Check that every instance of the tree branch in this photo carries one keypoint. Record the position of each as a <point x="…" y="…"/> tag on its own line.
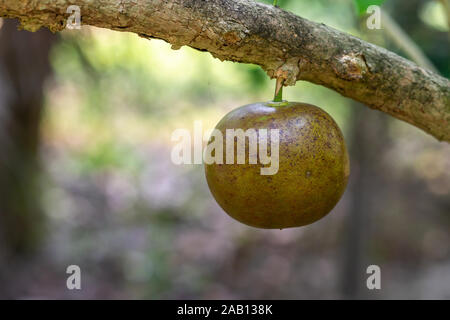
<point x="283" y="44"/>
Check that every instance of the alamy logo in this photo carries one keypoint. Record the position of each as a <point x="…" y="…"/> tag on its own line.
<point x="235" y="140"/>
<point x="74" y="280"/>
<point x="374" y="280"/>
<point x="74" y="20"/>
<point x="374" y="20"/>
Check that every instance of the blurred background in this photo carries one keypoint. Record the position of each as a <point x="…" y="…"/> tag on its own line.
<point x="86" y="118"/>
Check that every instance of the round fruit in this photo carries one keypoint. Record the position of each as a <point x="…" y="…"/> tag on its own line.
<point x="312" y="174"/>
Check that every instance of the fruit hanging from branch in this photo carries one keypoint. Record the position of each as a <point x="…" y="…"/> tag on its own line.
<point x="312" y="166"/>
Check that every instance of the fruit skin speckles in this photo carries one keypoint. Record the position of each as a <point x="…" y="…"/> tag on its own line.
<point x="312" y="175"/>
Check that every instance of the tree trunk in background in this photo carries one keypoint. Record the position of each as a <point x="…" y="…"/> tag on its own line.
<point x="369" y="143"/>
<point x="355" y="242"/>
<point x="24" y="66"/>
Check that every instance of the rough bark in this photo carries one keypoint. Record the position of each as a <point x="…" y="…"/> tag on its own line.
<point x="283" y="44"/>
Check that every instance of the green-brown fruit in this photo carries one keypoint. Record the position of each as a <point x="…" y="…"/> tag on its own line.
<point x="313" y="167"/>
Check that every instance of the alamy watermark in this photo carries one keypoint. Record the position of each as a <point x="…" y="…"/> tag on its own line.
<point x="234" y="140"/>
<point x="73" y="282"/>
<point x="374" y="280"/>
<point x="74" y="20"/>
<point x="374" y="20"/>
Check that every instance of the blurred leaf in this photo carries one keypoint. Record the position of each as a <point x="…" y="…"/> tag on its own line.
<point x="257" y="78"/>
<point x="433" y="14"/>
<point x="362" y="5"/>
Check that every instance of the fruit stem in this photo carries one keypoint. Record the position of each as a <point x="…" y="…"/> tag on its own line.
<point x="278" y="97"/>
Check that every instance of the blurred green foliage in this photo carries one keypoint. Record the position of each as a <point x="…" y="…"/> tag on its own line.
<point x="362" y="5"/>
